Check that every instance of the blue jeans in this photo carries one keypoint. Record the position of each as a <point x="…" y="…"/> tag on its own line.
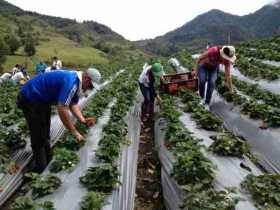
<point x="210" y="76"/>
<point x="149" y="95"/>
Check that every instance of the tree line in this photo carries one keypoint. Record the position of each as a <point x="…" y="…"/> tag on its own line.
<point x="11" y="42"/>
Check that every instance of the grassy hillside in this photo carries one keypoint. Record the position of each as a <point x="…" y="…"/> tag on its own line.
<point x="78" y="45"/>
<point x="70" y="52"/>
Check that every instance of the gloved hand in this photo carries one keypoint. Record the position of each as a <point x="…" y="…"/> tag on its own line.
<point x="90" y="121"/>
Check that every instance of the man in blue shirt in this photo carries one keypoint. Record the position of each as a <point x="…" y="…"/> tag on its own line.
<point x="61" y="88"/>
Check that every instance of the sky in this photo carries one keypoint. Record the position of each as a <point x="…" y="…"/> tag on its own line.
<point x="138" y="19"/>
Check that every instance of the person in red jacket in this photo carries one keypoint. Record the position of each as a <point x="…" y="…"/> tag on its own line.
<point x="207" y="68"/>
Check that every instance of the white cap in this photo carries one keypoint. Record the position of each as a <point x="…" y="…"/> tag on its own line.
<point x="95" y="76"/>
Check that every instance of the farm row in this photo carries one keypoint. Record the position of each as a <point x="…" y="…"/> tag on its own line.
<point x="65" y="158"/>
<point x="253" y="57"/>
<point x="195" y="156"/>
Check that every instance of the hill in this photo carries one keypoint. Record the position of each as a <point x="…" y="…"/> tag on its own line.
<point x="79" y="45"/>
<point x="216" y="27"/>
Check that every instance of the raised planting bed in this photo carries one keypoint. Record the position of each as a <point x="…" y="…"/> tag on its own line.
<point x="264" y="189"/>
<point x="204" y="118"/>
<point x="251" y="107"/>
<point x="118" y="98"/>
<point x="10" y="183"/>
<point x="257" y="70"/>
<point x="188" y="171"/>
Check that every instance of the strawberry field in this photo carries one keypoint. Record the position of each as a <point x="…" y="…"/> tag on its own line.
<point x="96" y="165"/>
<point x="220" y="159"/>
<point x="223" y="158"/>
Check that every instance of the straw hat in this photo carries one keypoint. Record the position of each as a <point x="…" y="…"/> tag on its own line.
<point x="228" y="53"/>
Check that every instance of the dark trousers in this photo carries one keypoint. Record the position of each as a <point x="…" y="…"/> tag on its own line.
<point x="210" y="76"/>
<point x="38" y="117"/>
<point x="149" y="98"/>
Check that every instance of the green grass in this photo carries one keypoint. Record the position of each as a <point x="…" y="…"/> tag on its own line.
<point x="72" y="54"/>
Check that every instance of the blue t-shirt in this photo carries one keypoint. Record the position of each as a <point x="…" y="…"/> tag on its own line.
<point x="57" y="87"/>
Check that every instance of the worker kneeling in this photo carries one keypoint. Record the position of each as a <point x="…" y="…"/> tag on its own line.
<point x="62" y="88"/>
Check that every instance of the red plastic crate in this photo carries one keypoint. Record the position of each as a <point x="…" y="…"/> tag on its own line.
<point x="171" y="83"/>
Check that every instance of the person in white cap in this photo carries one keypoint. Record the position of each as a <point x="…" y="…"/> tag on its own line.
<point x="207" y="68"/>
<point x="63" y="89"/>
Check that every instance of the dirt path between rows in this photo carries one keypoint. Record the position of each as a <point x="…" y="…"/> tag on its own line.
<point x="148" y="186"/>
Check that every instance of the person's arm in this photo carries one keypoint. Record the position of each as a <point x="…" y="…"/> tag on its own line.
<point x="63" y="112"/>
<point x="228" y="77"/>
<point x="158" y="99"/>
<point x="201" y="58"/>
<point x="76" y="111"/>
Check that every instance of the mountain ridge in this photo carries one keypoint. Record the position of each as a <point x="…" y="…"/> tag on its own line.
<point x="215" y="26"/>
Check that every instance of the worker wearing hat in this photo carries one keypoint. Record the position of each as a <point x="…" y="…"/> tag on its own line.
<point x="62" y="88"/>
<point x="146" y="84"/>
<point x="207" y="68"/>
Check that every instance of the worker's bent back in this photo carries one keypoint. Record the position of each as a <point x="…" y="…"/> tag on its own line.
<point x="52" y="88"/>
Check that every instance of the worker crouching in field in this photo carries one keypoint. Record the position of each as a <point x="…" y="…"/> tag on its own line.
<point x="61" y="88"/>
<point x="146" y="83"/>
<point x="207" y="69"/>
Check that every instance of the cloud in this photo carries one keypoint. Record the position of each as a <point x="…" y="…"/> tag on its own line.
<point x="275" y="3"/>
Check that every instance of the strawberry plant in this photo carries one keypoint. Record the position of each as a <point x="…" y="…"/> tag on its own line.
<point x="264" y="190"/>
<point x="209" y="200"/>
<point x="43" y="185"/>
<point x="205" y="119"/>
<point x="92" y="201"/>
<point x="23" y="128"/>
<point x="12" y="138"/>
<point x="257" y="93"/>
<point x="101" y="178"/>
<point x="108" y="148"/>
<point x="193" y="167"/>
<point x="5" y="159"/>
<point x="253" y="108"/>
<point x="25" y="203"/>
<point x="227" y="145"/>
<point x="63" y="160"/>
<point x="70" y="142"/>
<point x="257" y="70"/>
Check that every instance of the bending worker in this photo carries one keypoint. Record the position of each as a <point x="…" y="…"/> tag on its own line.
<point x="146" y="83"/>
<point x="207" y="68"/>
<point x="61" y="88"/>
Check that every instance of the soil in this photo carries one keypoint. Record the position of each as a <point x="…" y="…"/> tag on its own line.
<point x="148" y="186"/>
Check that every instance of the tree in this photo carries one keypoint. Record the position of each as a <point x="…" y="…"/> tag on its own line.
<point x="13" y="43"/>
<point x="29" y="46"/>
<point x="3" y="53"/>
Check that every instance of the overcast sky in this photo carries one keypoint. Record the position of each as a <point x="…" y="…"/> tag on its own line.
<point x="138" y="19"/>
